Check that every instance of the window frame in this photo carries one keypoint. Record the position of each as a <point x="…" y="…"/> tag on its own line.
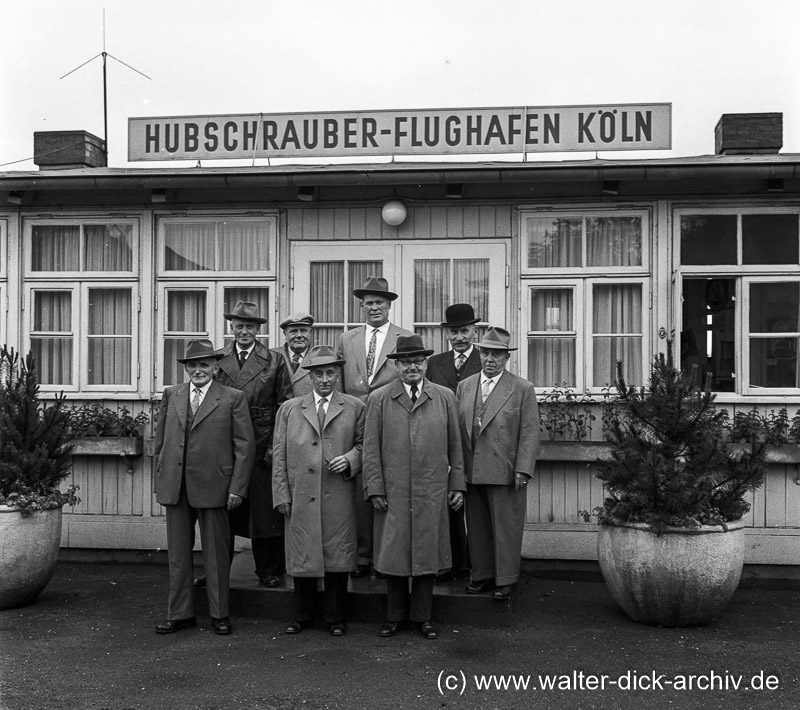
<point x="743" y="275"/>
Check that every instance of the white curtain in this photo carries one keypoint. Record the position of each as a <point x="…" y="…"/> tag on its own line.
<point x="471" y="284"/>
<point x="554" y="242"/>
<point x="617" y="332"/>
<point x="551" y="360"/>
<point x="53" y="347"/>
<point x="614" y="241"/>
<point x="186" y="320"/>
<point x="358" y="273"/>
<point x="189" y="246"/>
<point x="244" y="246"/>
<point x="55" y="247"/>
<point x="108" y="247"/>
<point x="110" y="336"/>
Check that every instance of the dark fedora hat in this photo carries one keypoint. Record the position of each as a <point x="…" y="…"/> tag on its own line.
<point x="305" y="319"/>
<point x="495" y="339"/>
<point x="409" y="346"/>
<point x="459" y="314"/>
<point x="320" y="356"/>
<point x="245" y="310"/>
<point x="200" y="350"/>
<point x="377" y="285"/>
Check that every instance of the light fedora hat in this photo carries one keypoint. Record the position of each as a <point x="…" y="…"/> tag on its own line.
<point x="377" y="285"/>
<point x="320" y="356"/>
<point x="305" y="319"/>
<point x="459" y="314"/>
<point x="246" y="310"/>
<point x="199" y="350"/>
<point x="495" y="339"/>
<point x="409" y="346"/>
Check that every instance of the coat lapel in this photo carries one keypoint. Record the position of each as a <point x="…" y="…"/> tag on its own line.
<point x="399" y="394"/>
<point x="500" y="394"/>
<point x="360" y="350"/>
<point x="209" y="404"/>
<point x="334" y="408"/>
<point x="389" y="345"/>
<point x="181" y="400"/>
<point x="470" y="391"/>
<point x="310" y="412"/>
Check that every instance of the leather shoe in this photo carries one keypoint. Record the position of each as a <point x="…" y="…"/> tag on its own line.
<point x="504" y="592"/>
<point x="360" y="571"/>
<point x="338" y="629"/>
<point x="222" y="626"/>
<point x="270" y="581"/>
<point x="170" y="626"/>
<point x="390" y="628"/>
<point x="485" y="585"/>
<point x="200" y="582"/>
<point x="295" y="627"/>
<point x="427" y="630"/>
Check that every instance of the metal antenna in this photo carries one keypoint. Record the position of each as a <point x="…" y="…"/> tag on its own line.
<point x="104" y="54"/>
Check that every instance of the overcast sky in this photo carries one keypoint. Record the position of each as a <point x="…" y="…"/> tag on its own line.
<point x="706" y="57"/>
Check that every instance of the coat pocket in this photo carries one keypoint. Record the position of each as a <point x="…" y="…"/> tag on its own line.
<point x="226" y="471"/>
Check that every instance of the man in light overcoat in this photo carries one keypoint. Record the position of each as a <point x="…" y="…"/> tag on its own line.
<point x="316" y="457"/>
<point x="365" y="351"/>
<point x="413" y="470"/>
<point x="297" y="331"/>
<point x="499" y="420"/>
<point x="205" y="449"/>
<point x="261" y="374"/>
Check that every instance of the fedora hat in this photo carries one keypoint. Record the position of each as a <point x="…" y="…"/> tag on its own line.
<point x="320" y="356"/>
<point x="459" y="314"/>
<point x="495" y="339"/>
<point x="377" y="285"/>
<point x="199" y="350"/>
<point x="245" y="310"/>
<point x="305" y="319"/>
<point x="409" y="346"/>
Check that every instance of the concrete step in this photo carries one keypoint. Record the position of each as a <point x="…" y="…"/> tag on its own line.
<point x="366" y="598"/>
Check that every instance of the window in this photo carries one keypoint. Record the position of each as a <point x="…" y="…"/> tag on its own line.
<point x="207" y="265"/>
<point x="81" y="304"/>
<point x="587" y="278"/>
<point x="740" y="298"/>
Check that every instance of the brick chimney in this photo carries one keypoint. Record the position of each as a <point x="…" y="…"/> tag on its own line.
<point x="749" y="134"/>
<point x="65" y="150"/>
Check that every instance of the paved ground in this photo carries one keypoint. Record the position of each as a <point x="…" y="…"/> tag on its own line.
<point x="89" y="644"/>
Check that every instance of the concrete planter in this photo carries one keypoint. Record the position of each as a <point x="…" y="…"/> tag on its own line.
<point x="28" y="554"/>
<point x="683" y="577"/>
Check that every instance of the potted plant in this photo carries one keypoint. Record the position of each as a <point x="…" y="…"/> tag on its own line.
<point x="671" y="536"/>
<point x="35" y="458"/>
<point x="100" y="431"/>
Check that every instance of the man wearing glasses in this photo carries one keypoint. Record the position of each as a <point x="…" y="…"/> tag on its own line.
<point x="413" y="470"/>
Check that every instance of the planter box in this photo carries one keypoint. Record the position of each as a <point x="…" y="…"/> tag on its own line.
<point x="108" y="446"/>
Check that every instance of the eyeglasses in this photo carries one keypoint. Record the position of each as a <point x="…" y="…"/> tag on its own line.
<point x="418" y="362"/>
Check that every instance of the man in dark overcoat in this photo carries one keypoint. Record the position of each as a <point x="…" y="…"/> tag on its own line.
<point x="365" y="351"/>
<point x="413" y="470"/>
<point x="297" y="331"/>
<point x="316" y="456"/>
<point x="204" y="451"/>
<point x="499" y="420"/>
<point x="262" y="375"/>
<point x="448" y="369"/>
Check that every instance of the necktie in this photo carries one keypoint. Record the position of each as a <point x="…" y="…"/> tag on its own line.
<point x="295" y="362"/>
<point x="242" y="358"/>
<point x="486" y="389"/>
<point x="460" y="360"/>
<point x="371" y="354"/>
<point x="321" y="413"/>
<point x="195" y="401"/>
<point x="414" y="391"/>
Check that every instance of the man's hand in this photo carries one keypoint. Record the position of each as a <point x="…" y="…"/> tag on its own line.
<point x="379" y="503"/>
<point x="284" y="509"/>
<point x="455" y="499"/>
<point x="338" y="465"/>
<point x="234" y="501"/>
<point x="520" y="480"/>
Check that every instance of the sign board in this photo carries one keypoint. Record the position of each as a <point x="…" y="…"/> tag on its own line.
<point x="526" y="129"/>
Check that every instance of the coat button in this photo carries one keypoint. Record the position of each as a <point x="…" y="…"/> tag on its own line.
<point x="313" y="443"/>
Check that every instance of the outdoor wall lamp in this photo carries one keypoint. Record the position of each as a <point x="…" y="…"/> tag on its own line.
<point x="454" y="191"/>
<point x="611" y="187"/>
<point x="158" y="195"/>
<point x="394" y="213"/>
<point x="15" y="197"/>
<point x="307" y="193"/>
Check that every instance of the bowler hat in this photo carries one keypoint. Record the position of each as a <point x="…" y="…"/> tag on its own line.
<point x="459" y="314"/>
<point x="245" y="310"/>
<point x="305" y="319"/>
<point x="495" y="339"/>
<point x="377" y="285"/>
<point x="409" y="346"/>
<point x="320" y="356"/>
<point x="199" y="350"/>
